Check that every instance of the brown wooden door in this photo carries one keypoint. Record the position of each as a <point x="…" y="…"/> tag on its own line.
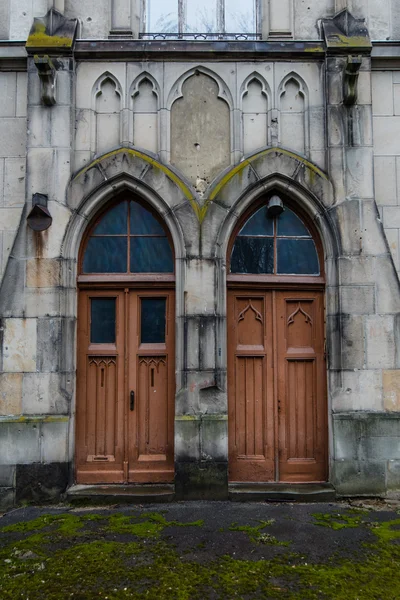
<point x="125" y="400"/>
<point x="276" y="386"/>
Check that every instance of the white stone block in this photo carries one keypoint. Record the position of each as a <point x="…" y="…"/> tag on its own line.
<point x="61" y="127"/>
<point x="54" y="442"/>
<point x="12" y="137"/>
<point x="41" y="394"/>
<point x="359" y="172"/>
<point x="387" y="135"/>
<point x="10" y="393"/>
<point x="392" y="236"/>
<point x="2" y="168"/>
<point x="108" y="133"/>
<point x="254" y="131"/>
<point x="381" y="347"/>
<point x="145" y="131"/>
<point x="379" y="18"/>
<point x="83" y="129"/>
<point x="94" y="15"/>
<point x="307" y="16"/>
<point x="280" y="17"/>
<point x="364" y="95"/>
<point x="199" y="293"/>
<point x="391" y="217"/>
<point x="385" y="180"/>
<point x="8" y="94"/>
<point x="396" y="95"/>
<point x="14" y="182"/>
<point x="22" y="94"/>
<point x="10" y="218"/>
<point x="19" y="354"/>
<point x="358" y="299"/>
<point x="361" y="390"/>
<point x="40" y="126"/>
<point x="382" y="93"/>
<point x="373" y="238"/>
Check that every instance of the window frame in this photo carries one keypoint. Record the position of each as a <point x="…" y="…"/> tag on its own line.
<point x="219" y="34"/>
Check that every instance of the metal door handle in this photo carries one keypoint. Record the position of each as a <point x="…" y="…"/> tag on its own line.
<point x="132" y="402"/>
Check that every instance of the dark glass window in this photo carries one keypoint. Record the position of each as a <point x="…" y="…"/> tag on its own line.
<point x="152" y="329"/>
<point x="128" y="239"/>
<point x="281" y="245"/>
<point x="102" y="321"/>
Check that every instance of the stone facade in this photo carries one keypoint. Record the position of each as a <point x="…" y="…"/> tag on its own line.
<point x="309" y="109"/>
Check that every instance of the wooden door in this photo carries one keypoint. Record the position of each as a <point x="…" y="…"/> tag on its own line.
<point x="276" y="386"/>
<point x="125" y="393"/>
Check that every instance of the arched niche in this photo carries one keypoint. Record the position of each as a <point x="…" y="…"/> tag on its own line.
<point x="294" y="118"/>
<point x="107" y="105"/>
<point x="145" y="104"/>
<point x="256" y="104"/>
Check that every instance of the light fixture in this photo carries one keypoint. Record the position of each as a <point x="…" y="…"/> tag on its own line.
<point x="39" y="219"/>
<point x="275" y="207"/>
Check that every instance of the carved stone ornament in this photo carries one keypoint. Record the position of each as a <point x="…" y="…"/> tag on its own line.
<point x="52" y="31"/>
<point x="48" y="77"/>
<point x="350" y="80"/>
<point x="345" y="33"/>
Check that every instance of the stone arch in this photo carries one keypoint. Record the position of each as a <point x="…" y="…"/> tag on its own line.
<point x="143" y="77"/>
<point x="293" y="104"/>
<point x="176" y="90"/>
<point x="256" y="118"/>
<point x="105" y="126"/>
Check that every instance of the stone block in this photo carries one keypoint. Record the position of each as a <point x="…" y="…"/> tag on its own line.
<point x="14" y="182"/>
<point x="353" y="355"/>
<point x="22" y="94"/>
<point x="192" y="330"/>
<point x="42" y="394"/>
<point x="42" y="273"/>
<point x="348" y="221"/>
<point x="373" y="237"/>
<point x="364" y="88"/>
<point x="4" y="20"/>
<point x="358" y="299"/>
<point x="392" y="236"/>
<point x="190" y="228"/>
<point x="359" y="172"/>
<point x="94" y="17"/>
<point x="214" y="438"/>
<point x="10" y="218"/>
<point x="19" y="354"/>
<point x="7" y="476"/>
<point x="347" y="439"/>
<point x="382" y="93"/>
<point x="336" y="169"/>
<point x="19" y="443"/>
<point x="83" y="129"/>
<point x="49" y="345"/>
<point x="382" y="447"/>
<point x="145" y="131"/>
<point x="380" y="342"/>
<point x="210" y="229"/>
<point x="336" y="126"/>
<point x="201" y="480"/>
<point x="187" y="438"/>
<point x="361" y="390"/>
<point x="40" y="127"/>
<point x="334" y="87"/>
<point x="391" y="217"/>
<point x="359" y="478"/>
<point x="207" y="343"/>
<point x="54" y="442"/>
<point x="40" y="171"/>
<point x="386" y="135"/>
<point x="40" y="483"/>
<point x="391" y="390"/>
<point x="7" y="498"/>
<point x="393" y="475"/>
<point x="42" y="302"/>
<point x="385" y="180"/>
<point x="8" y="87"/>
<point x="199" y="287"/>
<point x="64" y="87"/>
<point x="61" y="127"/>
<point x="10" y="394"/>
<point x="387" y="286"/>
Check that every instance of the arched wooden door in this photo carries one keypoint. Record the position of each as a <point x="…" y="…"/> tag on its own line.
<point x="276" y="362"/>
<point x="125" y="391"/>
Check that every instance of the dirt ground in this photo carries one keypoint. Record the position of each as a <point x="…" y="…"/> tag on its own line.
<point x="202" y="550"/>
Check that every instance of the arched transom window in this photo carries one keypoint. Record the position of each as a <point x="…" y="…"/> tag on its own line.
<point x="128" y="238"/>
<point x="280" y="245"/>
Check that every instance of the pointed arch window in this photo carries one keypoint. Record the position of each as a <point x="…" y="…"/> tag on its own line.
<point x="200" y="19"/>
<point x="128" y="238"/>
<point x="281" y="245"/>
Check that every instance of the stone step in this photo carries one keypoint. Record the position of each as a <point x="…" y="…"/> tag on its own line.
<point x="120" y="494"/>
<point x="282" y="492"/>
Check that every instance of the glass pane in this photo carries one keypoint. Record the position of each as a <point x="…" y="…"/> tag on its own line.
<point x="290" y="224"/>
<point x="253" y="255"/>
<point x="201" y="16"/>
<point x="102" y="321"/>
<point x="143" y="222"/>
<point x="240" y="17"/>
<point x="151" y="255"/>
<point x="115" y="221"/>
<point x="297" y="257"/>
<point x="106" y="255"/>
<point x="162" y="16"/>
<point x="259" y="224"/>
<point x="153" y="321"/>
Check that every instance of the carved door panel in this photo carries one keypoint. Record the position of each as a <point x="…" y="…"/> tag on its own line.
<point x="125" y="389"/>
<point x="301" y="387"/>
<point x="276" y="386"/>
<point x="250" y="381"/>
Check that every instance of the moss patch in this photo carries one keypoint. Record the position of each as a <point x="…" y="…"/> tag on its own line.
<point x="257" y="535"/>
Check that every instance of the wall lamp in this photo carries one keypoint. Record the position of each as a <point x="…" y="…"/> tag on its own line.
<point x="39" y="218"/>
<point x="275" y="207"/>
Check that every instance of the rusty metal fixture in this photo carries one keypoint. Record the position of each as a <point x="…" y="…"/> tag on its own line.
<point x="39" y="218"/>
<point x="275" y="207"/>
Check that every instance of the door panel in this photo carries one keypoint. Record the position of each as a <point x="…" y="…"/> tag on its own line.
<point x="276" y="386"/>
<point x="301" y="387"/>
<point x="125" y="396"/>
<point x="251" y="455"/>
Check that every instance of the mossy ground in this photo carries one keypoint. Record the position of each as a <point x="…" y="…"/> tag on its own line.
<point x="154" y="555"/>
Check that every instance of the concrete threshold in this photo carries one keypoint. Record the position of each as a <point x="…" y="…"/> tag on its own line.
<point x="282" y="492"/>
<point x="120" y="494"/>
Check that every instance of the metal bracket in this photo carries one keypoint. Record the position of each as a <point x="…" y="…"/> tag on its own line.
<point x="350" y="80"/>
<point x="47" y="74"/>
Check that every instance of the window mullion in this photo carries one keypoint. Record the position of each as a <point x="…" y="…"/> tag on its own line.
<point x="182" y="16"/>
<point x="220" y="16"/>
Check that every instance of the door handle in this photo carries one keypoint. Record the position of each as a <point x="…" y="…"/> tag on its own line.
<point x="132" y="400"/>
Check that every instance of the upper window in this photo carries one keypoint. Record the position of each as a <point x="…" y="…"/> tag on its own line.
<point x="128" y="239"/>
<point x="280" y="245"/>
<point x="200" y="19"/>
